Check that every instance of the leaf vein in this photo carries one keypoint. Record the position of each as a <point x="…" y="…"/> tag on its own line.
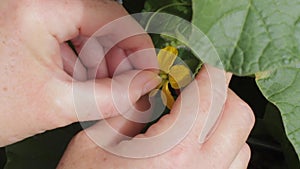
<point x="285" y="88"/>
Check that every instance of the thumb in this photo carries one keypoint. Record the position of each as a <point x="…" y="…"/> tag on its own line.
<point x="103" y="98"/>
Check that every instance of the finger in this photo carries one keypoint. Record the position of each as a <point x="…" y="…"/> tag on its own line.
<point x="208" y="130"/>
<point x="126" y="34"/>
<point x="70" y="62"/>
<point x="98" y="72"/>
<point x="113" y="130"/>
<point x="218" y="82"/>
<point x="106" y="97"/>
<point x="242" y="159"/>
<point x="194" y="102"/>
<point x="78" y="42"/>
<point x="232" y="132"/>
<point x="91" y="53"/>
<point x="140" y="52"/>
<point x="129" y="125"/>
<point x="92" y="57"/>
<point x="190" y="108"/>
<point x="212" y="122"/>
<point x="131" y="41"/>
<point x="82" y="18"/>
<point x="117" y="61"/>
<point x="228" y="77"/>
<point x="202" y="101"/>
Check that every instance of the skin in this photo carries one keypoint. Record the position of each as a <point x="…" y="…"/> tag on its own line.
<point x="36" y="65"/>
<point x="225" y="148"/>
<point x="37" y="82"/>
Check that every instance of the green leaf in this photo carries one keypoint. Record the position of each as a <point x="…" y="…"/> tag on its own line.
<point x="259" y="37"/>
<point x="274" y="125"/>
<point x="281" y="87"/>
<point x="251" y="35"/>
<point x="180" y="8"/>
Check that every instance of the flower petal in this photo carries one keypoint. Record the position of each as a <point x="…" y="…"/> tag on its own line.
<point x="166" y="96"/>
<point x="166" y="58"/>
<point x="179" y="76"/>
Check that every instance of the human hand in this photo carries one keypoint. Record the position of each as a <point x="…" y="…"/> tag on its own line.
<point x="225" y="148"/>
<point x="37" y="66"/>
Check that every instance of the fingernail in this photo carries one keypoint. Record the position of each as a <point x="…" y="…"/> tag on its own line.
<point x="151" y="84"/>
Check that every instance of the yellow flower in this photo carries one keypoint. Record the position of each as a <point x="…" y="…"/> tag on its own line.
<point x="173" y="75"/>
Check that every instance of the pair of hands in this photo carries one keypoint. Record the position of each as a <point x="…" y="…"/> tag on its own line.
<point x="38" y="79"/>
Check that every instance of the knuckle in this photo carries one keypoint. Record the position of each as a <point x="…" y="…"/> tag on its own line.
<point x="243" y="111"/>
<point x="246" y="152"/>
<point x="247" y="115"/>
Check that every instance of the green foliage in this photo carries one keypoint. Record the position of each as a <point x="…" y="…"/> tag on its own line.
<point x="180" y="8"/>
<point x="281" y="87"/>
<point x="251" y="35"/>
<point x="274" y="126"/>
<point x="262" y="37"/>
